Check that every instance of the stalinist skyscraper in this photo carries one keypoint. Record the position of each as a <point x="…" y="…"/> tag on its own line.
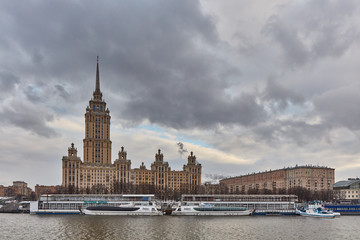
<point x="97" y="144"/>
<point x="98" y="170"/>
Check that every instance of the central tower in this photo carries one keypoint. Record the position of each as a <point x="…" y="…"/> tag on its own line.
<point x="97" y="144"/>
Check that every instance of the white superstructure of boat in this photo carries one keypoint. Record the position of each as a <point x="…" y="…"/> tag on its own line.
<point x="212" y="209"/>
<point x="224" y="204"/>
<point x="126" y="209"/>
<point x="77" y="203"/>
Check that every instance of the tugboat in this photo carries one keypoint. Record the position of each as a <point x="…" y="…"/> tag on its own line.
<point x="315" y="209"/>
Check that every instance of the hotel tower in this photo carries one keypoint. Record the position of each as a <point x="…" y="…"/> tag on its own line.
<point x="97" y="169"/>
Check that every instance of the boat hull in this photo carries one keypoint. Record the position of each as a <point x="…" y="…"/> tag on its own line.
<point x="58" y="212"/>
<point x="317" y="215"/>
<point x="115" y="213"/>
<point x="309" y="213"/>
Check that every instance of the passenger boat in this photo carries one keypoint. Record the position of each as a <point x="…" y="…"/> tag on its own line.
<point x="199" y="204"/>
<point x="344" y="209"/>
<point x="77" y="203"/>
<point x="124" y="209"/>
<point x="316" y="209"/>
<point x="213" y="209"/>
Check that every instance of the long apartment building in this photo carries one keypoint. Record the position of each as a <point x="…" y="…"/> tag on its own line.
<point x="98" y="169"/>
<point x="313" y="178"/>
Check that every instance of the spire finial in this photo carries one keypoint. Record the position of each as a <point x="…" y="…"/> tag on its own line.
<point x="97" y="87"/>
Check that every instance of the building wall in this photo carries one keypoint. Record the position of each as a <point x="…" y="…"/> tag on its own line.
<point x="347" y="190"/>
<point x="310" y="177"/>
<point x="18" y="188"/>
<point x="348" y="194"/>
<point x="42" y="189"/>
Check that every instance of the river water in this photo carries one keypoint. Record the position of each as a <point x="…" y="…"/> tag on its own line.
<point x="25" y="226"/>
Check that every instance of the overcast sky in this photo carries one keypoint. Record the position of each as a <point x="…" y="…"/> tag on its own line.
<point x="246" y="85"/>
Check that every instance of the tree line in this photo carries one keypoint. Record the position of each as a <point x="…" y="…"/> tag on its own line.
<point x="304" y="195"/>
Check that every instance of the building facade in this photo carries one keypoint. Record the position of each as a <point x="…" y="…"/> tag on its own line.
<point x="43" y="189"/>
<point x="18" y="188"/>
<point x="98" y="169"/>
<point x="347" y="190"/>
<point x="313" y="178"/>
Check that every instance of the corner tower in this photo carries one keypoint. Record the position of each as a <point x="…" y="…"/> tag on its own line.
<point x="97" y="144"/>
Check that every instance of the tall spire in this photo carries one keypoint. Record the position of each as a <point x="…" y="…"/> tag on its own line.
<point x="97" y="87"/>
<point x="97" y="93"/>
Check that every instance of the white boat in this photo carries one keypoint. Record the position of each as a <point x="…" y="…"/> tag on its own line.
<point x="315" y="209"/>
<point x="130" y="209"/>
<point x="223" y="204"/>
<point x="213" y="209"/>
<point x="77" y="203"/>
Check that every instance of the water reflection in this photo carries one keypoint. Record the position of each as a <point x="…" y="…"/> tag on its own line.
<point x="24" y="226"/>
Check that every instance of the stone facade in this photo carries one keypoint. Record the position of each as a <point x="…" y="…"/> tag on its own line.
<point x="43" y="189"/>
<point x="97" y="168"/>
<point x="313" y="178"/>
<point x="347" y="190"/>
<point x="18" y="188"/>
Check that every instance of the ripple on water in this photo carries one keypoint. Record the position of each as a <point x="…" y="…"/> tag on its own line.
<point x="24" y="226"/>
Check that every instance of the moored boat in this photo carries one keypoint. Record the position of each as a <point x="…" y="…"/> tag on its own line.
<point x="344" y="209"/>
<point x="213" y="209"/>
<point x="315" y="209"/>
<point x="77" y="203"/>
<point x="148" y="210"/>
<point x="219" y="204"/>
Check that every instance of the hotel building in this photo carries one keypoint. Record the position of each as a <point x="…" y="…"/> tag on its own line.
<point x="97" y="168"/>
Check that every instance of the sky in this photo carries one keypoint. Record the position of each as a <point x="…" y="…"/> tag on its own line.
<point x="246" y="85"/>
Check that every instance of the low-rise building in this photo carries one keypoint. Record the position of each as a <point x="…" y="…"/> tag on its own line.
<point x="18" y="188"/>
<point x="42" y="189"/>
<point x="347" y="189"/>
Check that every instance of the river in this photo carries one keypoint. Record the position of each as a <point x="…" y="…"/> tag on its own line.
<point x="25" y="226"/>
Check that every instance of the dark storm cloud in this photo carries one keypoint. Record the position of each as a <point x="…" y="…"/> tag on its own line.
<point x="279" y="97"/>
<point x="32" y="94"/>
<point x="201" y="107"/>
<point x="340" y="107"/>
<point x="61" y="91"/>
<point x="28" y="117"/>
<point x="292" y="131"/>
<point x="8" y="82"/>
<point x="313" y="30"/>
<point x="151" y="52"/>
<point x="159" y="60"/>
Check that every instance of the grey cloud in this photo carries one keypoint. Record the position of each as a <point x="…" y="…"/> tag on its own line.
<point x="8" y="81"/>
<point x="280" y="97"/>
<point x="28" y="117"/>
<point x="313" y="30"/>
<point x="60" y="90"/>
<point x="292" y="131"/>
<point x="340" y="107"/>
<point x="142" y="46"/>
<point x="33" y="94"/>
<point x="201" y="107"/>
